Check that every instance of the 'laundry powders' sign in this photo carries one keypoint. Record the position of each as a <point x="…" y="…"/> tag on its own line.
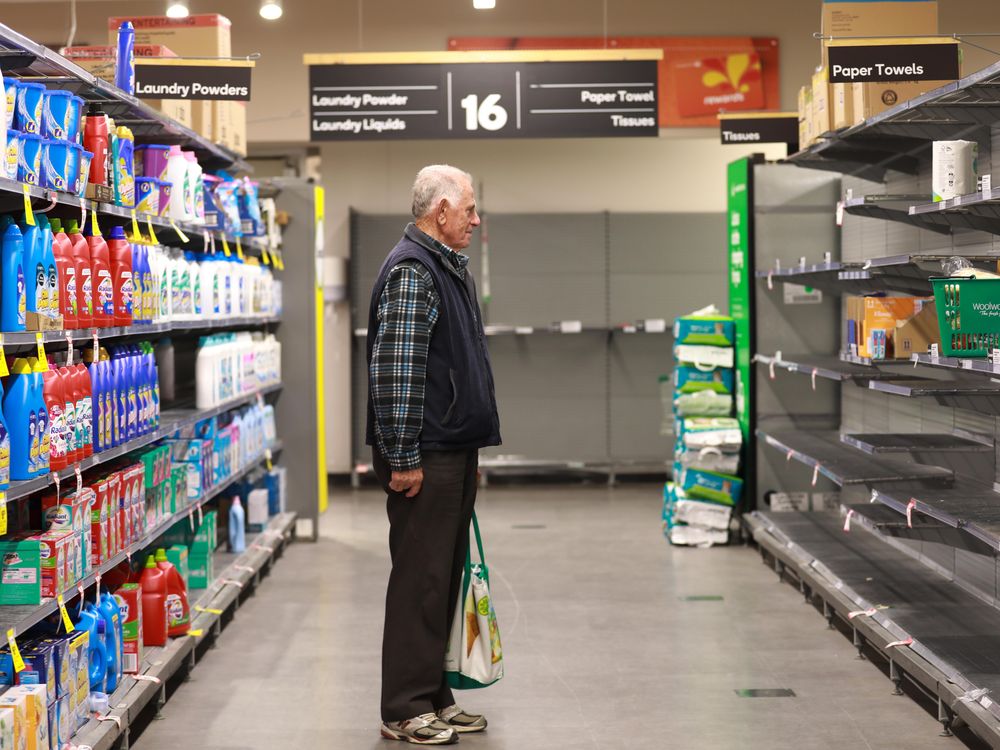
<point x="221" y="82"/>
<point x="868" y="63"/>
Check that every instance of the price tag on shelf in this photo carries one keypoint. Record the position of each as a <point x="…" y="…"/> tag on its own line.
<point x="847" y="521"/>
<point x="152" y="233"/>
<point x="67" y="623"/>
<point x="570" y="326"/>
<point x="29" y="215"/>
<point x="97" y="345"/>
<point x="136" y="233"/>
<point x="195" y="633"/>
<point x="42" y="359"/>
<point x="147" y="678"/>
<point x="231" y="582"/>
<point x="265" y="257"/>
<point x="58" y="481"/>
<point x="15" y="652"/>
<point x="97" y="582"/>
<point x="239" y="249"/>
<point x="814" y="372"/>
<point x="69" y="349"/>
<point x="83" y="212"/>
<point x="987" y="186"/>
<point x="95" y="228"/>
<point x="180" y="232"/>
<point x="909" y="512"/>
<point x="840" y="214"/>
<point x="268" y="459"/>
<point x="225" y="246"/>
<point x="815" y="474"/>
<point x="244" y="568"/>
<point x="3" y="360"/>
<point x="191" y="519"/>
<point x="281" y="261"/>
<point x="3" y="512"/>
<point x="79" y="478"/>
<point x="201" y="518"/>
<point x="207" y="610"/>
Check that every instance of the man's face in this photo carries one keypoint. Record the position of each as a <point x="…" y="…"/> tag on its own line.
<point x="456" y="222"/>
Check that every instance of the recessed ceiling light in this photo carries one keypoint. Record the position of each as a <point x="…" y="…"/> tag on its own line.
<point x="177" y="9"/>
<point x="484" y="4"/>
<point x="270" y="9"/>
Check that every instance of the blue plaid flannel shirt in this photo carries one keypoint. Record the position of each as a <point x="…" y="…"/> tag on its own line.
<point x="407" y="312"/>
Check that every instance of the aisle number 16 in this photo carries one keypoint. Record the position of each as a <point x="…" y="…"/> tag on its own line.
<point x="489" y="115"/>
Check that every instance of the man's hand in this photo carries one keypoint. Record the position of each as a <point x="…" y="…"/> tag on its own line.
<point x="409" y="482"/>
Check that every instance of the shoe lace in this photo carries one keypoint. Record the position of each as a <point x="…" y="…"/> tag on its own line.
<point x="430" y="718"/>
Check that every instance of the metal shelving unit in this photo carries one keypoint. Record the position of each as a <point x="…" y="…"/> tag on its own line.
<point x="915" y="443"/>
<point x="891" y="208"/>
<point x="972" y="395"/>
<point x="827" y="367"/>
<point x="969" y="506"/>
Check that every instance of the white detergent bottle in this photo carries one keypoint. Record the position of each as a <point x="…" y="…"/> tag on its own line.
<point x="177" y="175"/>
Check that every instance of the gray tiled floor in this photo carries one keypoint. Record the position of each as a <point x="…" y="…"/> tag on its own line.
<point x="600" y="651"/>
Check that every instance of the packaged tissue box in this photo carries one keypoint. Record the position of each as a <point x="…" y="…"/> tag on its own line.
<point x="710" y="485"/>
<point x="954" y="169"/>
<point x="691" y="380"/>
<point x="710" y="329"/>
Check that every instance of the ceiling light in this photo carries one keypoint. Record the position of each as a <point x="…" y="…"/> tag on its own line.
<point x="484" y="4"/>
<point x="177" y="8"/>
<point x="270" y="9"/>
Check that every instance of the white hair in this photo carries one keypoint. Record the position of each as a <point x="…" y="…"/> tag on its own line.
<point x="435" y="183"/>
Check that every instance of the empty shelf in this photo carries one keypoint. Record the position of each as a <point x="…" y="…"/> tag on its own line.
<point x="979" y="395"/>
<point x="980" y="365"/>
<point x="893" y="208"/>
<point x="844" y="465"/>
<point x="915" y="443"/>
<point x="828" y="366"/>
<point x="968" y="505"/>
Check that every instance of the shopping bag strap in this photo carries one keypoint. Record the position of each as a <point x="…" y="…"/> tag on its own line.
<point x="479" y="541"/>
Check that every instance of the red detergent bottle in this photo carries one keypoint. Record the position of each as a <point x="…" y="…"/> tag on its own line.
<point x="84" y="409"/>
<point x="62" y="249"/>
<point x="55" y="403"/>
<point x="178" y="611"/>
<point x="120" y="255"/>
<point x="73" y="452"/>
<point x="102" y="287"/>
<point x="84" y="284"/>
<point x="153" y="582"/>
<point x="95" y="140"/>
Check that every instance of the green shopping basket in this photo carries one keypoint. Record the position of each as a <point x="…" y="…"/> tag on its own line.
<point x="968" y="311"/>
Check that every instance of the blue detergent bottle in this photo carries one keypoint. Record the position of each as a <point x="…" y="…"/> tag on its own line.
<point x="121" y="395"/>
<point x="97" y="399"/>
<point x="20" y="417"/>
<point x="35" y="278"/>
<point x="111" y="614"/>
<point x="41" y="419"/>
<point x="132" y="397"/>
<point x="108" y="388"/>
<point x="91" y="621"/>
<point x="4" y="449"/>
<point x="12" y="298"/>
<point x="50" y="295"/>
<point x="154" y="383"/>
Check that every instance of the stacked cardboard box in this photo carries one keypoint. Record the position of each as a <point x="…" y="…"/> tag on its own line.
<point x="201" y="36"/>
<point x="891" y="327"/>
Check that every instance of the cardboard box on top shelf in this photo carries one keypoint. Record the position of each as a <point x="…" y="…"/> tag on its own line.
<point x="870" y="99"/>
<point x="844" y="18"/>
<point x="203" y="119"/>
<point x="230" y="125"/>
<point x="199" y="35"/>
<point x="806" y="131"/>
<point x="821" y="104"/>
<point x="874" y="322"/>
<point x="843" y="105"/>
<point x="918" y="333"/>
<point x="100" y="61"/>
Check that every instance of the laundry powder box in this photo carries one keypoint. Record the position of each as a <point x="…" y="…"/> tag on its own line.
<point x="709" y="485"/>
<point x="79" y="646"/>
<point x="54" y="548"/>
<point x="65" y="721"/>
<point x="14" y="713"/>
<point x="21" y="575"/>
<point x="954" y="169"/>
<point x="36" y="709"/>
<point x="710" y="330"/>
<point x="129" y="598"/>
<point x="64" y="668"/>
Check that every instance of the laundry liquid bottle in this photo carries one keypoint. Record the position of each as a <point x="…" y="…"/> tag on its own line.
<point x="110" y="400"/>
<point x="153" y="583"/>
<point x="4" y="449"/>
<point x="120" y="368"/>
<point x="102" y="285"/>
<point x="91" y="622"/>
<point x="19" y="413"/>
<point x="84" y="283"/>
<point x="35" y="278"/>
<point x="139" y="303"/>
<point x="237" y="527"/>
<point x="62" y="249"/>
<point x="55" y="402"/>
<point x="12" y="297"/>
<point x="50" y="293"/>
<point x="73" y="452"/>
<point x="42" y="419"/>
<point x="95" y="140"/>
<point x="84" y="409"/>
<point x="178" y="611"/>
<point x="132" y="392"/>
<point x="120" y="256"/>
<point x="107" y="607"/>
<point x="93" y="360"/>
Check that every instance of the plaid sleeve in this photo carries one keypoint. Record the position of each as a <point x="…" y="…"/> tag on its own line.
<point x="407" y="312"/>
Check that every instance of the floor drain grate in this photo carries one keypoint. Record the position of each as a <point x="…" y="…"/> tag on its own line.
<point x="702" y="598"/>
<point x="529" y="526"/>
<point x="765" y="693"/>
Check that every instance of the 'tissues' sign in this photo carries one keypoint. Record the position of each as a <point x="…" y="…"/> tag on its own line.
<point x="893" y="62"/>
<point x="161" y="80"/>
<point x="777" y="127"/>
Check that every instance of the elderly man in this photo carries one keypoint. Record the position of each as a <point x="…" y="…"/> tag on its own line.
<point x="431" y="407"/>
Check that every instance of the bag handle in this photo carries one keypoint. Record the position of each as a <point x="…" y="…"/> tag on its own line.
<point x="479" y="540"/>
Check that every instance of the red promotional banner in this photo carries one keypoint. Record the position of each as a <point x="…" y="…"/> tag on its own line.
<point x="699" y="76"/>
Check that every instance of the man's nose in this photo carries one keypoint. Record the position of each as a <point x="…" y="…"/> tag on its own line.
<point x="476" y="221"/>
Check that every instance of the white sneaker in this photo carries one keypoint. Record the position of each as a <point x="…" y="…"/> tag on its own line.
<point x="462" y="721"/>
<point x="426" y="729"/>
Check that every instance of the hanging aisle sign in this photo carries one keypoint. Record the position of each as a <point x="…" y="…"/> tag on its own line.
<point x="760" y="127"/>
<point x="541" y="94"/>
<point x="892" y="60"/>
<point x="169" y="78"/>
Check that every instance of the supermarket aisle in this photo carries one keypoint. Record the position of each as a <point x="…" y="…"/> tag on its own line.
<point x="601" y="650"/>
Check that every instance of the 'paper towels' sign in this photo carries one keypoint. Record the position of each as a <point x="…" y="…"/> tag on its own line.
<point x="882" y="63"/>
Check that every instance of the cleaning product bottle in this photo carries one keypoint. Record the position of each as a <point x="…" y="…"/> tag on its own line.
<point x="55" y="402"/>
<point x="123" y="149"/>
<point x="237" y="527"/>
<point x="107" y="607"/>
<point x="97" y="654"/>
<point x="152" y="373"/>
<point x="4" y="449"/>
<point x="110" y="401"/>
<point x="139" y="287"/>
<point x="177" y="175"/>
<point x="50" y="291"/>
<point x="154" y="604"/>
<point x="35" y="276"/>
<point x="95" y="140"/>
<point x="120" y="255"/>
<point x="93" y="359"/>
<point x="20" y="417"/>
<point x="125" y="59"/>
<point x="102" y="285"/>
<point x="121" y="395"/>
<point x="84" y="409"/>
<point x="178" y="612"/>
<point x="73" y="453"/>
<point x="84" y="285"/>
<point x="42" y="420"/>
<point x="62" y="249"/>
<point x="12" y="298"/>
<point x="132" y="393"/>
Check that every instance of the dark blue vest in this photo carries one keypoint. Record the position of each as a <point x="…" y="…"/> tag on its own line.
<point x="460" y="409"/>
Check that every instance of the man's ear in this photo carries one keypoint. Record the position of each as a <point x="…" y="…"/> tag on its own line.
<point x="442" y="208"/>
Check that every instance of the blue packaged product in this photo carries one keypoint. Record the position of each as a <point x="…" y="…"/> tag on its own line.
<point x="93" y="624"/>
<point x="109" y="611"/>
<point x="251" y="222"/>
<point x="40" y="667"/>
<point x="74" y="119"/>
<point x="707" y="330"/>
<point x="57" y="106"/>
<point x="12" y="157"/>
<point x="57" y="165"/>
<point x="29" y="165"/>
<point x="709" y="485"/>
<point x="35" y="275"/>
<point x="125" y="59"/>
<point x="10" y="86"/>
<point x="12" y="287"/>
<point x="147" y="194"/>
<point x="21" y="417"/>
<point x="28" y="117"/>
<point x="84" y="158"/>
<point x="691" y="379"/>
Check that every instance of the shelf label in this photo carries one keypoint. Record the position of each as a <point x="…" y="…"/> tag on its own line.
<point x="97" y="346"/>
<point x="219" y="80"/>
<point x="909" y="512"/>
<point x="79" y="478"/>
<point x="15" y="652"/>
<point x="29" y="215"/>
<point x="207" y="610"/>
<point x="851" y="62"/>
<point x="136" y="233"/>
<point x="570" y="326"/>
<point x="847" y="521"/>
<point x="225" y="246"/>
<point x="840" y="214"/>
<point x="180" y="233"/>
<point x="69" y="349"/>
<point x="265" y="257"/>
<point x="268" y="459"/>
<point x="281" y="260"/>
<point x="152" y="232"/>
<point x="986" y="185"/>
<point x="239" y="249"/>
<point x="195" y="633"/>
<point x="3" y="360"/>
<point x="3" y="513"/>
<point x="42" y="359"/>
<point x="95" y="228"/>
<point x="67" y="623"/>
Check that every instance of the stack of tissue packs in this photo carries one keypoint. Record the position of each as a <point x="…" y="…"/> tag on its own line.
<point x="699" y="503"/>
